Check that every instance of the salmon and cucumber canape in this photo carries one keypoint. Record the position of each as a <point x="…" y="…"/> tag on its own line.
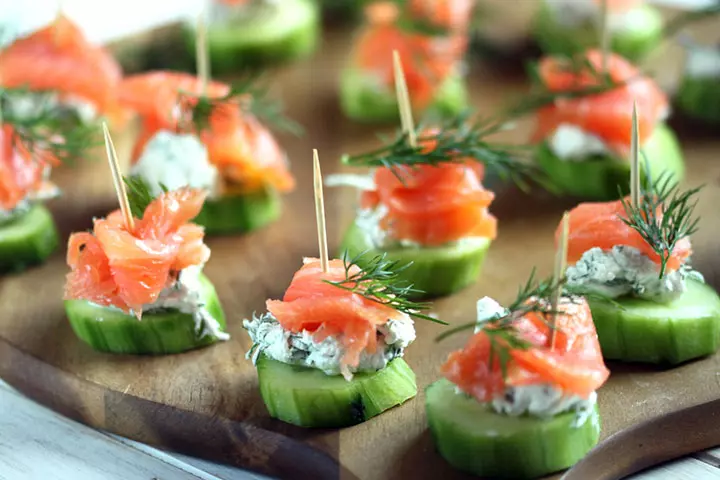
<point x="253" y="33"/>
<point x="699" y="93"/>
<point x="433" y="56"/>
<point x="330" y="353"/>
<point x="31" y="144"/>
<point x="635" y="254"/>
<point x="519" y="399"/>
<point x="570" y="26"/>
<point x="136" y="284"/>
<point x="212" y="141"/>
<point x="58" y="66"/>
<point x="583" y="128"/>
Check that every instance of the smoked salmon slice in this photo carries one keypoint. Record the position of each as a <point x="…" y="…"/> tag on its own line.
<point x="21" y="176"/>
<point x="450" y="14"/>
<point x="128" y="269"/>
<point x="433" y="205"/>
<point x="608" y="115"/>
<point x="600" y="224"/>
<point x="311" y="304"/>
<point x="574" y="365"/>
<point x="427" y="60"/>
<point x="244" y="150"/>
<point x="59" y="58"/>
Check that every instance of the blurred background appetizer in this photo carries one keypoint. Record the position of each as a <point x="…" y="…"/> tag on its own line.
<point x="431" y="38"/>
<point x="583" y="132"/>
<point x="519" y="400"/>
<point x="571" y="26"/>
<point x="57" y="65"/>
<point x="245" y="33"/>
<point x="211" y="141"/>
<point x="699" y="92"/>
<point x="139" y="288"/>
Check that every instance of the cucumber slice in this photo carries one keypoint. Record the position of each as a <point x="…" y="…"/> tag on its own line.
<point x="309" y="398"/>
<point x="649" y="332"/>
<point x="28" y="239"/>
<point x="632" y="43"/>
<point x="599" y="177"/>
<point x="362" y="100"/>
<point x="278" y="34"/>
<point x="437" y="271"/>
<point x="475" y="439"/>
<point x="700" y="98"/>
<point x="239" y="213"/>
<point x="111" y="330"/>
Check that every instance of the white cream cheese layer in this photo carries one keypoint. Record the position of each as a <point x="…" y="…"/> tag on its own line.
<point x="626" y="271"/>
<point x="542" y="401"/>
<point x="185" y="296"/>
<point x="31" y="103"/>
<point x="703" y="62"/>
<point x="176" y="160"/>
<point x="271" y="339"/>
<point x="578" y="13"/>
<point x="574" y="144"/>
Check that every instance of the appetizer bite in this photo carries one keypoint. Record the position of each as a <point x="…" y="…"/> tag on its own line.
<point x="584" y="130"/>
<point x="245" y="33"/>
<point x="59" y="67"/>
<point x="570" y="26"/>
<point x="136" y="284"/>
<point x="699" y="92"/>
<point x="519" y="400"/>
<point x="424" y="202"/>
<point x="209" y="140"/>
<point x="433" y="55"/>
<point x="631" y="258"/>
<point x="329" y="354"/>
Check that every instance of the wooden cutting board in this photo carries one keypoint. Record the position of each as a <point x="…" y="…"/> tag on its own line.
<point x="207" y="403"/>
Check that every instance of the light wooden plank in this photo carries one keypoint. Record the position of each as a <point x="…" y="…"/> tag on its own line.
<point x="685" y="469"/>
<point x="39" y="443"/>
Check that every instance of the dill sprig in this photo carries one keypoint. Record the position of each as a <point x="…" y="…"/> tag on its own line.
<point x="139" y="195"/>
<point x="45" y="131"/>
<point x="502" y="332"/>
<point x="378" y="281"/>
<point x="663" y="217"/>
<point x="457" y="140"/>
<point x="250" y="95"/>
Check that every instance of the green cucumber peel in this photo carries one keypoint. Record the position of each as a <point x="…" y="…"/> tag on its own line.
<point x="27" y="239"/>
<point x="308" y="397"/>
<point x="165" y="331"/>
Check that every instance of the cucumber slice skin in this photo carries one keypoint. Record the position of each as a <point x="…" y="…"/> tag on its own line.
<point x="648" y="332"/>
<point x="475" y="439"/>
<point x="700" y="98"/>
<point x="599" y="177"/>
<point x="307" y="397"/>
<point x="233" y="47"/>
<point x="437" y="271"/>
<point x="240" y="213"/>
<point x="27" y="240"/>
<point x="635" y="44"/>
<point x="360" y="100"/>
<point x="110" y="330"/>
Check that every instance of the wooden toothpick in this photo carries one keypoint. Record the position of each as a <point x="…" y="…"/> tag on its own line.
<point x="559" y="272"/>
<point x="201" y="53"/>
<point x="118" y="180"/>
<point x="604" y="37"/>
<point x="635" y="160"/>
<point x="320" y="212"/>
<point x="403" y="98"/>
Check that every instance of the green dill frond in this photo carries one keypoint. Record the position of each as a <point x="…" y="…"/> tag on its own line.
<point x="663" y="217"/>
<point x="139" y="195"/>
<point x="378" y="281"/>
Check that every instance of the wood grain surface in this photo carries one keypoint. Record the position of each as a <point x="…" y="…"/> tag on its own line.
<point x="207" y="402"/>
